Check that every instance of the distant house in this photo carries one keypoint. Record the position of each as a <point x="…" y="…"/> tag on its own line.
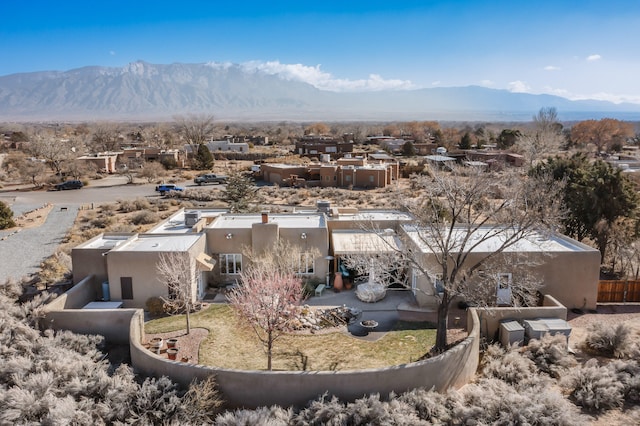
<point x="104" y="161"/>
<point x="343" y="173"/>
<point x="316" y="145"/>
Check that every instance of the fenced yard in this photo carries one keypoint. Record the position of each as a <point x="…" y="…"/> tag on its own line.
<point x="618" y="291"/>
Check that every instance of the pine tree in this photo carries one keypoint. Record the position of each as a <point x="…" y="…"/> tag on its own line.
<point x="204" y="159"/>
<point x="6" y="217"/>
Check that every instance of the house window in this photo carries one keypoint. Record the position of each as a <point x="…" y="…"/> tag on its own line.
<point x="230" y="263"/>
<point x="347" y="178"/>
<point x="305" y="264"/>
<point x="126" y="288"/>
<point x="331" y="149"/>
<point x="438" y="284"/>
<point x="371" y="178"/>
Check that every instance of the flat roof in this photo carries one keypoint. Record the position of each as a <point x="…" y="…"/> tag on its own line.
<point x="374" y="215"/>
<point x="358" y="241"/>
<point x="494" y="237"/>
<point x="176" y="223"/>
<point x="160" y="243"/>
<point x="293" y="220"/>
<point x="105" y="241"/>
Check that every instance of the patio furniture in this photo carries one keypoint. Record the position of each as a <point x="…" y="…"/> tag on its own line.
<point x="319" y="289"/>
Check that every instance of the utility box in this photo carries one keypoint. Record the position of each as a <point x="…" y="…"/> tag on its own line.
<point x="535" y="329"/>
<point x="557" y="326"/>
<point x="511" y="333"/>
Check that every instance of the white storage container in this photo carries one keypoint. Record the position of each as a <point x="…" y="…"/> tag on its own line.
<point x="511" y="332"/>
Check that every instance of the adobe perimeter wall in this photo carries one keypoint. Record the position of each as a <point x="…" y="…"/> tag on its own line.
<point x="453" y="368"/>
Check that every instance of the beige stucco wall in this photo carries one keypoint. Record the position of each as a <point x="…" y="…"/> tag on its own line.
<point x="141" y="266"/>
<point x="452" y="369"/>
<point x="490" y="317"/>
<point x="569" y="276"/>
<point x="263" y="236"/>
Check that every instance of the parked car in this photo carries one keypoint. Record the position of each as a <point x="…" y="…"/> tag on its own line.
<point x="168" y="187"/>
<point x="70" y="184"/>
<point x="210" y="178"/>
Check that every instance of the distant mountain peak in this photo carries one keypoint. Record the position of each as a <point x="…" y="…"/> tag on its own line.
<point x="263" y="91"/>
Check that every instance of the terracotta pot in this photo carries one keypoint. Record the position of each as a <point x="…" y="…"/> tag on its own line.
<point x="172" y="343"/>
<point x="172" y="353"/>
<point x="337" y="281"/>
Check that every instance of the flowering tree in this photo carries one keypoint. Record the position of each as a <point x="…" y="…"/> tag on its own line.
<point x="265" y="299"/>
<point x="179" y="272"/>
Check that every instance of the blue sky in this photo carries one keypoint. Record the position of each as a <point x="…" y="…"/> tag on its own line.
<point x="576" y="49"/>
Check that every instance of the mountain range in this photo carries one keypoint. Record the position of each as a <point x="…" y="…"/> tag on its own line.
<point x="144" y="92"/>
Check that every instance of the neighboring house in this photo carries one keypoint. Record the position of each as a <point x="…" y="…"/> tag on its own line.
<point x="105" y="161"/>
<point x="345" y="172"/>
<point x="219" y="242"/>
<point x="316" y="145"/>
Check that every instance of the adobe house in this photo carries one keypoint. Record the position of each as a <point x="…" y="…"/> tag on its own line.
<point x="230" y="236"/>
<point x="568" y="270"/>
<point x="105" y="161"/>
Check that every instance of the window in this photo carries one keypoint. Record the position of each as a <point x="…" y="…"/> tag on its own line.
<point x="347" y="178"/>
<point x="331" y="149"/>
<point x="371" y="178"/>
<point x="438" y="283"/>
<point x="503" y="291"/>
<point x="305" y="265"/>
<point x="126" y="288"/>
<point x="230" y="263"/>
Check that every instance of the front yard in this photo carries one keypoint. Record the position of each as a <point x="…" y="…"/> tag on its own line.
<point x="231" y="344"/>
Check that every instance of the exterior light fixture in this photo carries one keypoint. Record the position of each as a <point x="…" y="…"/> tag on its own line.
<point x="229" y="236"/>
<point x="303" y="235"/>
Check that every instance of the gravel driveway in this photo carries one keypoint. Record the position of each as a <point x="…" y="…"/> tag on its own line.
<point x="22" y="252"/>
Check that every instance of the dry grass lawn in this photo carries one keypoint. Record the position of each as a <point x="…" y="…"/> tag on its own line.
<point x="230" y="344"/>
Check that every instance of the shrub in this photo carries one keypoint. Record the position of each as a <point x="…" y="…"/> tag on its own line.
<point x="6" y="217"/>
<point x="510" y="367"/>
<point x="144" y="218"/>
<point x="128" y="206"/>
<point x="155" y="306"/>
<point x="610" y="340"/>
<point x="430" y="406"/>
<point x="595" y="388"/>
<point x="550" y="354"/>
<point x="272" y="416"/>
<point x="492" y="401"/>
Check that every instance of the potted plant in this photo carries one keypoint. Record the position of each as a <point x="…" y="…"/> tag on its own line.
<point x="172" y="353"/>
<point x="172" y="342"/>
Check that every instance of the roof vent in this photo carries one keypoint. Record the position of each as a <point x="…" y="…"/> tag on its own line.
<point x="323" y="206"/>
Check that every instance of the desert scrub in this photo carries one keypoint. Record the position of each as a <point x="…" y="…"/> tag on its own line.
<point x="128" y="206"/>
<point x="595" y="388"/>
<point x="550" y="355"/>
<point x="144" y="218"/>
<point x="509" y="366"/>
<point x="614" y="341"/>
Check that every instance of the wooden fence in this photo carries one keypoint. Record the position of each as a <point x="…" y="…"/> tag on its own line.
<point x="618" y="291"/>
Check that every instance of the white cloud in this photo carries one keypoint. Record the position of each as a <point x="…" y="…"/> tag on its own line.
<point x="112" y="53"/>
<point x="324" y="80"/>
<point x="551" y="68"/>
<point x="592" y="58"/>
<point x="518" y="87"/>
<point x="487" y="83"/>
<point x="436" y="83"/>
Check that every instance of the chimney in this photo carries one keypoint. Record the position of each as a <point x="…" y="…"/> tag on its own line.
<point x="265" y="216"/>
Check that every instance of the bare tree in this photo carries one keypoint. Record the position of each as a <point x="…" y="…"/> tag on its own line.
<point x="195" y="128"/>
<point x="266" y="298"/>
<point x="179" y="272"/>
<point x="54" y="151"/>
<point x="465" y="223"/>
<point x="544" y="138"/>
<point x="105" y="137"/>
<point x="152" y="171"/>
<point x="24" y="169"/>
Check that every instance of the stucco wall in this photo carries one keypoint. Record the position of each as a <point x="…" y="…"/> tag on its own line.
<point x="453" y="368"/>
<point x="76" y="297"/>
<point x="490" y="317"/>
